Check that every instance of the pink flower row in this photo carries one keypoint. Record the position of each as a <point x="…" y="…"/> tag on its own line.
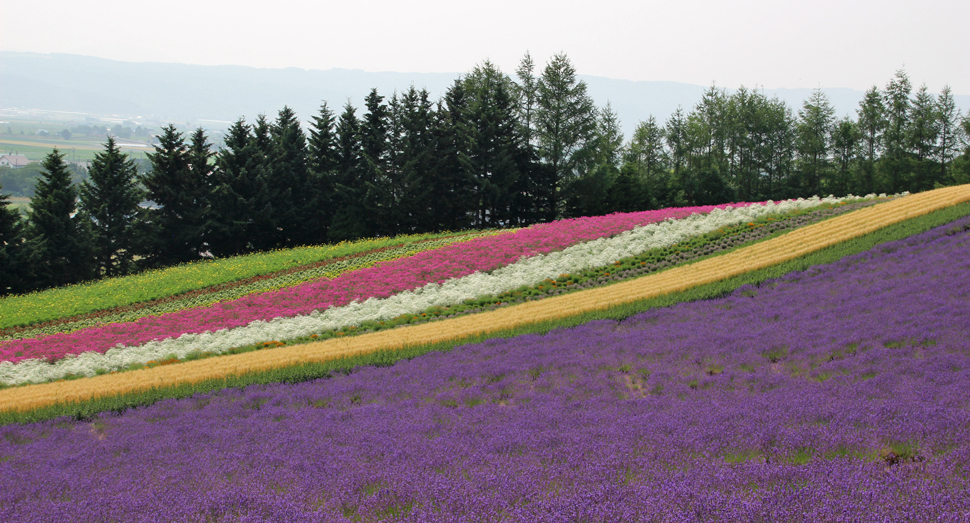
<point x="380" y="281"/>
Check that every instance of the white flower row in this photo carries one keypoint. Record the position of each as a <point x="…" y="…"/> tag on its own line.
<point x="527" y="271"/>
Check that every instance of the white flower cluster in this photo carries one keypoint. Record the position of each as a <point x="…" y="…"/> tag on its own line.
<point x="526" y="271"/>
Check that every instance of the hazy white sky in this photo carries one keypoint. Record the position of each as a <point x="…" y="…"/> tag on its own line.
<point x="770" y="43"/>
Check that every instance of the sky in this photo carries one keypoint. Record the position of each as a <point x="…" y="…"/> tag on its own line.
<point x="756" y="43"/>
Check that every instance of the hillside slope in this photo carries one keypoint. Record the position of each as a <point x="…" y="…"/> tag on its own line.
<point x="837" y="393"/>
<point x="774" y="252"/>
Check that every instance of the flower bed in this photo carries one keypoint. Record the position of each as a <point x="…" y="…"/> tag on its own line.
<point x="72" y="300"/>
<point x="381" y="281"/>
<point x="834" y="394"/>
<point x="527" y="271"/>
<point x="329" y="268"/>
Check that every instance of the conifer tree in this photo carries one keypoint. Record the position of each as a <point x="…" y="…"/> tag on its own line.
<point x="845" y="146"/>
<point x="565" y="122"/>
<point x="894" y="166"/>
<point x="240" y="204"/>
<point x="373" y="162"/>
<point x="322" y="160"/>
<point x="178" y="184"/>
<point x="14" y="266"/>
<point x="646" y="162"/>
<point x="350" y="216"/>
<point x="949" y="132"/>
<point x="493" y="144"/>
<point x="533" y="194"/>
<point x="872" y="124"/>
<point x="60" y="243"/>
<point x="296" y="199"/>
<point x="266" y="222"/>
<point x="527" y="91"/>
<point x="675" y="134"/>
<point x="110" y="198"/>
<point x="922" y="136"/>
<point x="409" y="163"/>
<point x="451" y="181"/>
<point x="589" y="194"/>
<point x="777" y="151"/>
<point x="816" y="119"/>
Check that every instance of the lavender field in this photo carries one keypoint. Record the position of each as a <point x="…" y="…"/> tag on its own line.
<point x="837" y="394"/>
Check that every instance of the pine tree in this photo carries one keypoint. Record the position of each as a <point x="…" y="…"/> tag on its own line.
<point x="297" y="196"/>
<point x="60" y="243"/>
<point x="14" y="267"/>
<point x="675" y="134"/>
<point x="872" y="124"/>
<point x="922" y="136"/>
<point x="178" y="184"/>
<point x="451" y="180"/>
<point x="387" y="191"/>
<point x="527" y="93"/>
<point x="110" y="198"/>
<point x="240" y="208"/>
<point x="949" y="129"/>
<point x="265" y="224"/>
<point x="646" y="161"/>
<point x="816" y="119"/>
<point x="589" y="194"/>
<point x="565" y="122"/>
<point x="749" y="124"/>
<point x="710" y="130"/>
<point x="411" y="151"/>
<point x="350" y="216"/>
<point x="894" y="166"/>
<point x="322" y="161"/>
<point x="373" y="166"/>
<point x="845" y="146"/>
<point x="777" y="153"/>
<point x="493" y="144"/>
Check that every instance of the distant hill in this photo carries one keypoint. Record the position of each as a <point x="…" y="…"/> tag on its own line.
<point x="183" y="93"/>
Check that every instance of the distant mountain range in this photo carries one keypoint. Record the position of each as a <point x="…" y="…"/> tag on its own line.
<point x="209" y="95"/>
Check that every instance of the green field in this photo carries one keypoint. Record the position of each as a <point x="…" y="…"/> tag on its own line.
<point x="82" y="149"/>
<point x="18" y="134"/>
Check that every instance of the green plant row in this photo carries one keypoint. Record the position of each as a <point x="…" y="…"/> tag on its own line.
<point x="208" y="296"/>
<point x="74" y="300"/>
<point x="311" y="371"/>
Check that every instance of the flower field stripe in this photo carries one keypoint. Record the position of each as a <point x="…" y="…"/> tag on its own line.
<point x="832" y="387"/>
<point x="774" y="251"/>
<point x="384" y="279"/>
<point x="78" y="299"/>
<point x="526" y="271"/>
<point x="238" y="289"/>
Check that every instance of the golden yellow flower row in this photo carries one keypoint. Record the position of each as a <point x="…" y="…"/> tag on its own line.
<point x="775" y="251"/>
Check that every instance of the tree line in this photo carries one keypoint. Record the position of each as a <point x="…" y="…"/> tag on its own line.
<point x="494" y="151"/>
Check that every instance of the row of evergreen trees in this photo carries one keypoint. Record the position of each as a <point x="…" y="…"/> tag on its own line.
<point x="493" y="152"/>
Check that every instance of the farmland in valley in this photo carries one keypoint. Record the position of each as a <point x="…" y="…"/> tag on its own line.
<point x="782" y="361"/>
